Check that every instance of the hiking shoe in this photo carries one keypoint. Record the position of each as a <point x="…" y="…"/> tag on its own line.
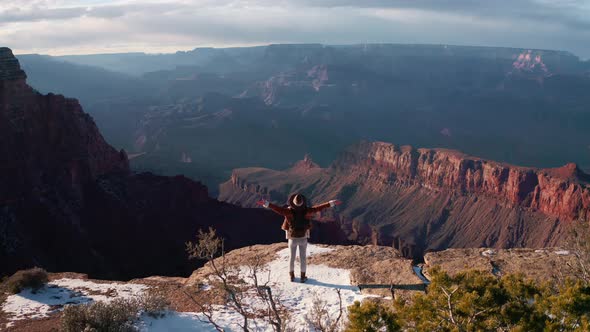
<point x="303" y="277"/>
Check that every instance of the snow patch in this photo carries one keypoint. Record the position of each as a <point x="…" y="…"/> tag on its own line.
<point x="56" y="294"/>
<point x="174" y="321"/>
<point x="489" y="252"/>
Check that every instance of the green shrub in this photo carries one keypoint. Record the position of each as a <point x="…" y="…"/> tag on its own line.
<point x="370" y="316"/>
<point x="34" y="278"/>
<point x="569" y="307"/>
<point x="116" y="316"/>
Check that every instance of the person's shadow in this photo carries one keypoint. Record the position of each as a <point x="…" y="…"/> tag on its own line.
<point x="315" y="282"/>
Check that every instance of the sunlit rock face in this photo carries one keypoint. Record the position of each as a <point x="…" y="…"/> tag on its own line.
<point x="561" y="192"/>
<point x="429" y="199"/>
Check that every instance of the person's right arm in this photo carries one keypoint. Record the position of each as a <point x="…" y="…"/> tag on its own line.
<point x="277" y="209"/>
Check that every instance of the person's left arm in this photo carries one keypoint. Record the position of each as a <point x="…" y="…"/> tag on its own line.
<point x="317" y="208"/>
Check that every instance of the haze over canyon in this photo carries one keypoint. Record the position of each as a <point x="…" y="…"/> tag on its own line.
<point x="219" y="115"/>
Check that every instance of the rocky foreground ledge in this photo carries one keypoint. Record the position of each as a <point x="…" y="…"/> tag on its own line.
<point x="330" y="268"/>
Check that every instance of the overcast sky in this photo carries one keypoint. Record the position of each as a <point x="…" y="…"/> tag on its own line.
<point x="106" y="26"/>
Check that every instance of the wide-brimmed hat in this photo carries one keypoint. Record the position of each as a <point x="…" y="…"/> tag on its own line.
<point x="297" y="201"/>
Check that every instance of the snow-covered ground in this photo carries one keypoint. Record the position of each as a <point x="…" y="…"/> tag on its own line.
<point x="57" y="293"/>
<point x="298" y="297"/>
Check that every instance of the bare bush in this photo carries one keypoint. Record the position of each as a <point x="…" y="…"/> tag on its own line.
<point x="116" y="316"/>
<point x="320" y="317"/>
<point x="154" y="303"/>
<point x="34" y="278"/>
<point x="240" y="294"/>
<point x="272" y="311"/>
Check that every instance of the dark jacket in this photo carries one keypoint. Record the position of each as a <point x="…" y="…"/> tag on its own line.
<point x="288" y="213"/>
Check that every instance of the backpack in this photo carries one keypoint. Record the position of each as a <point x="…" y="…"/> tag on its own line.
<point x="299" y="223"/>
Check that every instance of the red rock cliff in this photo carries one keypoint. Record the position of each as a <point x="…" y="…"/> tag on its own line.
<point x="561" y="192"/>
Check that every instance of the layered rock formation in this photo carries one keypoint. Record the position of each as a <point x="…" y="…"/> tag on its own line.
<point x="561" y="192"/>
<point x="430" y="199"/>
<point x="68" y="200"/>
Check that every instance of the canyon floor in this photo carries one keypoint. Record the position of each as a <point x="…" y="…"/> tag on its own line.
<point x="330" y="268"/>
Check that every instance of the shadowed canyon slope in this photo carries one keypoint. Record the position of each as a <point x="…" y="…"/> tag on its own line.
<point x="429" y="199"/>
<point x="68" y="201"/>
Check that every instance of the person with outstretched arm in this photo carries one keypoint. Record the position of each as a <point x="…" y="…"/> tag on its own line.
<point x="297" y="225"/>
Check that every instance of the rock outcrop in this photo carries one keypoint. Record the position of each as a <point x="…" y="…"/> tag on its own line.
<point x="430" y="199"/>
<point x="47" y="141"/>
<point x="561" y="192"/>
<point x="545" y="264"/>
<point x="68" y="201"/>
<point x="305" y="165"/>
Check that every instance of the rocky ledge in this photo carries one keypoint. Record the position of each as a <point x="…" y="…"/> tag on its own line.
<point x="329" y="268"/>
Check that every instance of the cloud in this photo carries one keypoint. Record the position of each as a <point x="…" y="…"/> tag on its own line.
<point x="80" y="26"/>
<point x="40" y="11"/>
<point x="572" y="13"/>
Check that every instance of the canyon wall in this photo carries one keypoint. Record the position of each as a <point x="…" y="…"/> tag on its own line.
<point x="429" y="199"/>
<point x="561" y="192"/>
<point x="69" y="202"/>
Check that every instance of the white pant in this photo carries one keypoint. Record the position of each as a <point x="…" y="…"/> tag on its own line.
<point x="300" y="242"/>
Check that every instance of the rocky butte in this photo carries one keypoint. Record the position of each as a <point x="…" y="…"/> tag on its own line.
<point x="430" y="199"/>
